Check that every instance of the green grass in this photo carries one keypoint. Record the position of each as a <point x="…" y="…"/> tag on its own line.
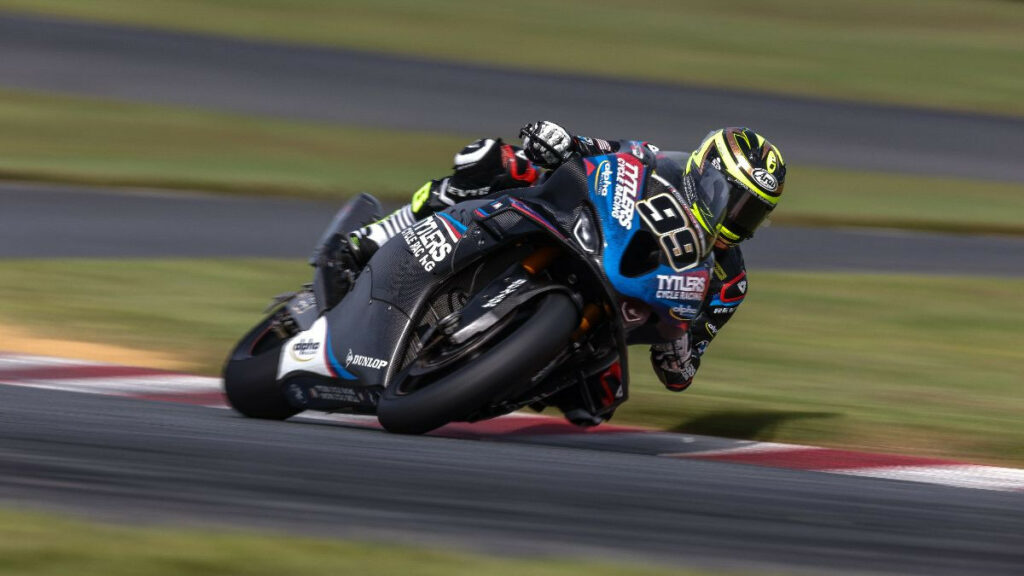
<point x="961" y="54"/>
<point x="927" y="365"/>
<point x="93" y="141"/>
<point x="46" y="545"/>
<point x="109" y="143"/>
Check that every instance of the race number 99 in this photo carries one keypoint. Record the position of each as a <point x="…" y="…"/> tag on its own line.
<point x="666" y="219"/>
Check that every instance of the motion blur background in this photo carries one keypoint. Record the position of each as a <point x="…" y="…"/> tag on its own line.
<point x="167" y="163"/>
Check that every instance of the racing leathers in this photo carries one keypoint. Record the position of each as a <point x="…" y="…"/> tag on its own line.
<point x="489" y="166"/>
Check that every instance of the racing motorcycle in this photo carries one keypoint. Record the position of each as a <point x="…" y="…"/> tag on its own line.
<point x="491" y="306"/>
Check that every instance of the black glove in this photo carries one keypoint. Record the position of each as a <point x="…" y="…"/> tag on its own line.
<point x="547" y="144"/>
<point x="675" y="363"/>
<point x="487" y="165"/>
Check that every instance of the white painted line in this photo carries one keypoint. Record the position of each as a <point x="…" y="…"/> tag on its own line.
<point x="958" y="475"/>
<point x="128" y="385"/>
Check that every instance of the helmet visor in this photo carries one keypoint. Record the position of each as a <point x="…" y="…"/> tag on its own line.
<point x="745" y="213"/>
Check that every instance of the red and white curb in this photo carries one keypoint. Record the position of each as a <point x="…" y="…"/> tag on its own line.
<point x="148" y="384"/>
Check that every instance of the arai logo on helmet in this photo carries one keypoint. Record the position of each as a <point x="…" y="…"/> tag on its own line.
<point x="765" y="179"/>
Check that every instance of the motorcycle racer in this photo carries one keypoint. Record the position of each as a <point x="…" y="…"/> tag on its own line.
<point x="737" y="160"/>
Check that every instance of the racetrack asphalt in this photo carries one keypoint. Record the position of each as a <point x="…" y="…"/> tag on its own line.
<point x="47" y="221"/>
<point x="408" y="93"/>
<point x="142" y="461"/>
<point x="127" y="459"/>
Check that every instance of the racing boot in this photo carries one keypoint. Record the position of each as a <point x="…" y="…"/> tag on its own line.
<point x="340" y="263"/>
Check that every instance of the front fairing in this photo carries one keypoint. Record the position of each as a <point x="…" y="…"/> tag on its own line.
<point x="617" y="182"/>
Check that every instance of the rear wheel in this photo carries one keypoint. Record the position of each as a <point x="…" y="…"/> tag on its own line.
<point x="250" y="376"/>
<point x="420" y="399"/>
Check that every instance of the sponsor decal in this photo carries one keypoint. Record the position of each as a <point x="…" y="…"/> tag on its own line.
<point x="428" y="242"/>
<point x="352" y="359"/>
<point x="711" y="328"/>
<point x="334" y="394"/>
<point x="742" y="287"/>
<point x="504" y="293"/>
<point x="672" y="287"/>
<point x="632" y="314"/>
<point x="652" y="147"/>
<point x="683" y="312"/>
<point x="627" y="183"/>
<point x="603" y="145"/>
<point x="468" y="192"/>
<point x="723" y="310"/>
<point x="701" y="347"/>
<point x="304" y="350"/>
<point x="603" y="179"/>
<point x="765" y="179"/>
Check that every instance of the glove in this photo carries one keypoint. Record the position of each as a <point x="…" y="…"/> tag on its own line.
<point x="547" y="144"/>
<point x="486" y="165"/>
<point x="675" y="363"/>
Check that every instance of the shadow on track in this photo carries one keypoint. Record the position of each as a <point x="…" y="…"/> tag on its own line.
<point x="760" y="425"/>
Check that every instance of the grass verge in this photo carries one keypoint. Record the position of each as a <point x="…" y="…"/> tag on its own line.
<point x="79" y="140"/>
<point x="945" y="53"/>
<point x="926" y="365"/>
<point x="45" y="545"/>
<point x="60" y="139"/>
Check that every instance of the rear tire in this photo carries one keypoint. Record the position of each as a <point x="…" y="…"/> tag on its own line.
<point x="510" y="361"/>
<point x="250" y="376"/>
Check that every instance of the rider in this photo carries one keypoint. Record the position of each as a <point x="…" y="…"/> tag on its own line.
<point x="749" y="167"/>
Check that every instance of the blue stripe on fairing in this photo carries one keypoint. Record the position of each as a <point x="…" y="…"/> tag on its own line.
<point x="458" y="225"/>
<point x="335" y="365"/>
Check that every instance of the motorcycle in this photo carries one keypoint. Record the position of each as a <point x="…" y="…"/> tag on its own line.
<point x="490" y="306"/>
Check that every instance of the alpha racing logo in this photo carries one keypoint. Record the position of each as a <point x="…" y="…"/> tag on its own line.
<point x="304" y="350"/>
<point x="603" y="178"/>
<point x="627" y="183"/>
<point x="683" y="312"/>
<point x="364" y="361"/>
<point x="681" y="287"/>
<point x="427" y="242"/>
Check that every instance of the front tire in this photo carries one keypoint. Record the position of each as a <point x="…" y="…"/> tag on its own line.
<point x="250" y="376"/>
<point x="510" y="361"/>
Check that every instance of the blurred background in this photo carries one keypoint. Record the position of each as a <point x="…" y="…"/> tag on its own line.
<point x="166" y="165"/>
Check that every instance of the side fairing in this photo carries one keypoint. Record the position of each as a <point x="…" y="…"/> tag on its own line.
<point x="357" y="342"/>
<point x="617" y="182"/>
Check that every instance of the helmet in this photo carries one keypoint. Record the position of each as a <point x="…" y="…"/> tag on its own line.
<point x="756" y="174"/>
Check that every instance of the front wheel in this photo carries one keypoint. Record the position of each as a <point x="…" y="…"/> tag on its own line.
<point x="507" y="363"/>
<point x="250" y="376"/>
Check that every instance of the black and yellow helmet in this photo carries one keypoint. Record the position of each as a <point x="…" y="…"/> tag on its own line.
<point x="756" y="173"/>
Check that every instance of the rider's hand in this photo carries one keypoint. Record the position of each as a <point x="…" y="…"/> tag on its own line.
<point x="675" y="363"/>
<point x="487" y="165"/>
<point x="547" y="144"/>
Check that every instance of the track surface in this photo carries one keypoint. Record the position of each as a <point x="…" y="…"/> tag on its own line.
<point x="130" y="459"/>
<point x="140" y="460"/>
<point x="50" y="221"/>
<point x="406" y="93"/>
